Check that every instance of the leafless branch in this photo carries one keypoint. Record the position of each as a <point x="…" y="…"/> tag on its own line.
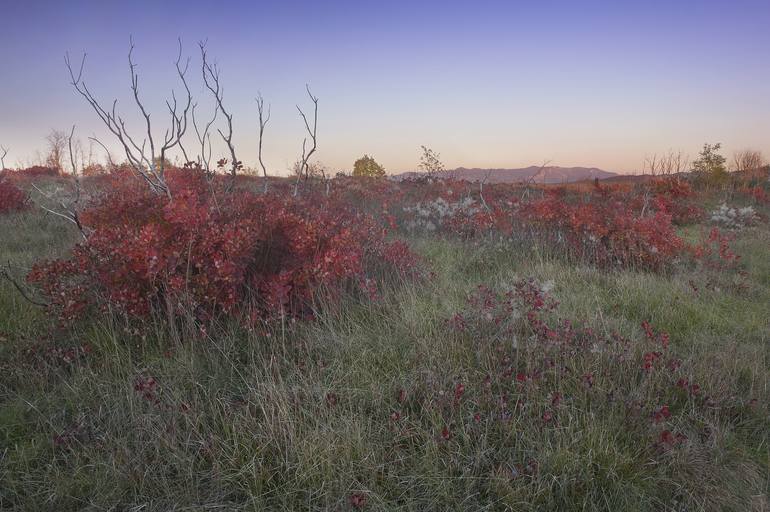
<point x="111" y="121"/>
<point x="481" y="190"/>
<point x="530" y="182"/>
<point x="148" y="167"/>
<point x="73" y="209"/>
<point x="57" y="144"/>
<point x="68" y="213"/>
<point x="263" y="119"/>
<point x="672" y="162"/>
<point x="73" y="158"/>
<point x="312" y="132"/>
<point x="107" y="151"/>
<point x="178" y="120"/>
<point x="747" y="161"/>
<point x="6" y="274"/>
<point x="3" y="154"/>
<point x="211" y="80"/>
<point x="204" y="139"/>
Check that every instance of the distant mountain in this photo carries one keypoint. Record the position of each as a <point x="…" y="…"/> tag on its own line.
<point x="536" y="174"/>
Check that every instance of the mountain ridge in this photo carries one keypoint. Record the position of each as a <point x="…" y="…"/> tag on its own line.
<point x="537" y="174"/>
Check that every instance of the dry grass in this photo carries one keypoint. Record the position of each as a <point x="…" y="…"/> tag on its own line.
<point x="300" y="418"/>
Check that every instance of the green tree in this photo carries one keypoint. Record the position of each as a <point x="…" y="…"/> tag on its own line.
<point x="710" y="165"/>
<point x="367" y="166"/>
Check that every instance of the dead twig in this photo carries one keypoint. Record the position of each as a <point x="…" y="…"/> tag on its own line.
<point x="5" y="273"/>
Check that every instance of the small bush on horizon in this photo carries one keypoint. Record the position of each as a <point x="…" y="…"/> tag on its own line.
<point x="366" y="166"/>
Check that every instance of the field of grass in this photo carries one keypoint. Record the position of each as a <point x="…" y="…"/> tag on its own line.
<point x="382" y="405"/>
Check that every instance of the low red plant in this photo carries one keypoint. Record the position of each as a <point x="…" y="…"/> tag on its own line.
<point x="37" y="171"/>
<point x="756" y="193"/>
<point x="607" y="229"/>
<point x="255" y="256"/>
<point x="12" y="198"/>
<point x="715" y="251"/>
<point x="552" y="363"/>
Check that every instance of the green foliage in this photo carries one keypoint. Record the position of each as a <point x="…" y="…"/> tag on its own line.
<point x="711" y="166"/>
<point x="368" y="166"/>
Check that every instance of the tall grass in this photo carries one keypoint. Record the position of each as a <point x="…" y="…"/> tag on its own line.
<point x="303" y="416"/>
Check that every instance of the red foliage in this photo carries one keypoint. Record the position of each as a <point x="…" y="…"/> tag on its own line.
<point x="607" y="230"/>
<point x="255" y="256"/>
<point x="147" y="387"/>
<point x="37" y="171"/>
<point x="545" y="358"/>
<point x="681" y="210"/>
<point x="11" y="197"/>
<point x="94" y="170"/>
<point x="358" y="500"/>
<point x="667" y="440"/>
<point x="674" y="188"/>
<point x="660" y="414"/>
<point x="715" y="251"/>
<point x="756" y="193"/>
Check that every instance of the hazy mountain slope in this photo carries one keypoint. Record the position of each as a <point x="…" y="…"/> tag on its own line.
<point x="537" y="174"/>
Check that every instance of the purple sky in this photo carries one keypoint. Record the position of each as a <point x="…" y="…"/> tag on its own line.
<point x="486" y="84"/>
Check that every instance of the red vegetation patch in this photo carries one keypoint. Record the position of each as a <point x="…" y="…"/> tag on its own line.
<point x="36" y="171"/>
<point x="715" y="251"/>
<point x="758" y="194"/>
<point x="607" y="230"/>
<point x="11" y="197"/>
<point x="250" y="255"/>
<point x="553" y="363"/>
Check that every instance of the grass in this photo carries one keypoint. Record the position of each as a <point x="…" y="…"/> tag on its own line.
<point x="301" y="419"/>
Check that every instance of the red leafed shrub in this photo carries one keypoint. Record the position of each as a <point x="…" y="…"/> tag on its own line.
<point x="607" y="229"/>
<point x="93" y="170"/>
<point x="37" y="171"/>
<point x="676" y="198"/>
<point x="682" y="211"/>
<point x="715" y="251"/>
<point x="755" y="193"/>
<point x="11" y="197"/>
<point x="250" y="255"/>
<point x="673" y="187"/>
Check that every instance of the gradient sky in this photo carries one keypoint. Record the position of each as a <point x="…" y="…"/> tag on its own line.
<point x="486" y="84"/>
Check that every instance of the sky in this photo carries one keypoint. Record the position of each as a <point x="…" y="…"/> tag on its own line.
<point x="484" y="83"/>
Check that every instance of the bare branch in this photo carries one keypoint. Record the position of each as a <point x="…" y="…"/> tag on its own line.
<point x="72" y="153"/>
<point x="430" y="162"/>
<point x="73" y="209"/>
<point x="211" y="80"/>
<point x="148" y="166"/>
<point x="6" y="274"/>
<point x="107" y="151"/>
<point x="747" y="161"/>
<point x="204" y="139"/>
<point x="672" y="162"/>
<point x="530" y="182"/>
<point x="178" y="121"/>
<point x="4" y="153"/>
<point x="110" y="120"/>
<point x="481" y="190"/>
<point x="313" y="137"/>
<point x="135" y="90"/>
<point x="57" y="143"/>
<point x="68" y="213"/>
<point x="263" y="120"/>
